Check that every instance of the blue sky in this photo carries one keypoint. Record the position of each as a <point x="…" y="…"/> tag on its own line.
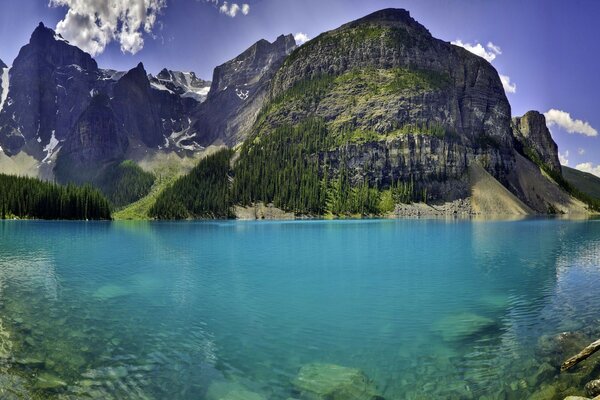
<point x="548" y="49"/>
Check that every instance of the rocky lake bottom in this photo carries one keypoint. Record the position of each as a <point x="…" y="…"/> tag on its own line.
<point x="375" y="309"/>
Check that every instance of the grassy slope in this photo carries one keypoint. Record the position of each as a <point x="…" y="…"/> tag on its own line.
<point x="139" y="209"/>
<point x="585" y="182"/>
<point x="167" y="167"/>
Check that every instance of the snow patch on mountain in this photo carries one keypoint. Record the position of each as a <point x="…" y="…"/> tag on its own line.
<point x="5" y="84"/>
<point x="184" y="84"/>
<point x="50" y="148"/>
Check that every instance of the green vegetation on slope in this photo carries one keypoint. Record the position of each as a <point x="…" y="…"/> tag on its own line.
<point x="585" y="182"/>
<point x="22" y="197"/>
<point x="125" y="183"/>
<point x="140" y="210"/>
<point x="203" y="193"/>
<point x="283" y="168"/>
<point x="354" y="104"/>
<point x="560" y="179"/>
<point x="281" y="163"/>
<point x="338" y="41"/>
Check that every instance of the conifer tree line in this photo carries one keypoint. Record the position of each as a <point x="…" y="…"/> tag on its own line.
<point x="282" y="168"/>
<point x="203" y="193"/>
<point x="23" y="197"/>
<point x="125" y="182"/>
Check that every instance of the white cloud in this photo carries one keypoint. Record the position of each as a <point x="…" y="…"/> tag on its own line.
<point x="589" y="167"/>
<point x="564" y="158"/>
<point x="231" y="10"/>
<point x="494" y="48"/>
<point x="563" y="119"/>
<point x="301" y="38"/>
<point x="508" y="86"/>
<point x="93" y="24"/>
<point x="490" y="54"/>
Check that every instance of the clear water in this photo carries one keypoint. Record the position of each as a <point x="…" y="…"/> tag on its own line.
<point x="169" y="310"/>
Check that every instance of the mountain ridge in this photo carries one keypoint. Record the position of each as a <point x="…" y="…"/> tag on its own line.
<point x="375" y="109"/>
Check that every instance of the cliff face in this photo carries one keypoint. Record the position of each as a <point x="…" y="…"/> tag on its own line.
<point x="238" y="91"/>
<point x="399" y="104"/>
<point x="96" y="139"/>
<point x="535" y="140"/>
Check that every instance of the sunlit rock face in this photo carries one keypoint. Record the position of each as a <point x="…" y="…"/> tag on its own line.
<point x="535" y="139"/>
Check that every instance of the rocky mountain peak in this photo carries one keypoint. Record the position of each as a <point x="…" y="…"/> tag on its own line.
<point x="2" y="65"/>
<point x="45" y="45"/>
<point x="250" y="66"/>
<point x="532" y="134"/>
<point x="390" y="17"/>
<point x="137" y="76"/>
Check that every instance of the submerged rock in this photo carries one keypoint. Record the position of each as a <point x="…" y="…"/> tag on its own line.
<point x="49" y="381"/>
<point x="231" y="391"/>
<point x="334" y="382"/>
<point x="592" y="388"/>
<point x="544" y="373"/>
<point x="462" y="326"/>
<point x="557" y="348"/>
<point x="110" y="292"/>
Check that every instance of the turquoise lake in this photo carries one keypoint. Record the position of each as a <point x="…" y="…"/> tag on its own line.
<point x="208" y="310"/>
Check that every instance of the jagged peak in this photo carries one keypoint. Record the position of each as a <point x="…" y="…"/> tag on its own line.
<point x="2" y="65"/>
<point x="137" y="74"/>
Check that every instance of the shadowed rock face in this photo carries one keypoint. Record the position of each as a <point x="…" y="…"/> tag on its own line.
<point x="97" y="136"/>
<point x="50" y="83"/>
<point x="96" y="139"/>
<point x="134" y="105"/>
<point x="238" y="91"/>
<point x="535" y="140"/>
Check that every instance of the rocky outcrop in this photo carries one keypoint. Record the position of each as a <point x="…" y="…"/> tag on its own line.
<point x="328" y="381"/>
<point x="534" y="140"/>
<point x="239" y="88"/>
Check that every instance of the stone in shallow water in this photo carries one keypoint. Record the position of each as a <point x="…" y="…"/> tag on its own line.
<point x="544" y="373"/>
<point x="334" y="382"/>
<point x="49" y="381"/>
<point x="107" y="292"/>
<point x="30" y="362"/>
<point x="462" y="326"/>
<point x="592" y="388"/>
<point x="231" y="391"/>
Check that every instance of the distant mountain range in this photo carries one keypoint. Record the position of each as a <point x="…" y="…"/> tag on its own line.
<point x="377" y="106"/>
<point x="74" y="118"/>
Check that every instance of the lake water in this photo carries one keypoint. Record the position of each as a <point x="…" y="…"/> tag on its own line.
<point x="234" y="310"/>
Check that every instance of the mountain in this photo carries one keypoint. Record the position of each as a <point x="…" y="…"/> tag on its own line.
<point x="51" y="103"/>
<point x="51" y="117"/>
<point x="185" y="84"/>
<point x="375" y="113"/>
<point x="380" y="101"/>
<point x="239" y="88"/>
